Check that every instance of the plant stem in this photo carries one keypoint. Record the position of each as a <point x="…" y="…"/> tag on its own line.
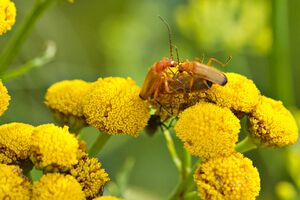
<point x="280" y="68"/>
<point x="99" y="144"/>
<point x="171" y="148"/>
<point x="245" y="145"/>
<point x="15" y="42"/>
<point x="184" y="184"/>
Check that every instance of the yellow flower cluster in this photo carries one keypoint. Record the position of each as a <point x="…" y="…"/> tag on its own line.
<point x="15" y="142"/>
<point x="90" y="175"/>
<point x="4" y="97"/>
<point x="57" y="186"/>
<point x="272" y="125"/>
<point x="13" y="185"/>
<point x="208" y="130"/>
<point x="228" y="178"/>
<point x="113" y="105"/>
<point x="7" y="15"/>
<point x="53" y="148"/>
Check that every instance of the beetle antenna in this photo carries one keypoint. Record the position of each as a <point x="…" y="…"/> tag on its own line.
<point x="170" y="35"/>
<point x="177" y="54"/>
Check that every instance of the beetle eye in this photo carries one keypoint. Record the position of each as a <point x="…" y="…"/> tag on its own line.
<point x="209" y="83"/>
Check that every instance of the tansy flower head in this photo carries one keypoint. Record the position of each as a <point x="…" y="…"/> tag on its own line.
<point x="65" y="100"/>
<point x="272" y="125"/>
<point x="227" y="178"/>
<point x="15" y="142"/>
<point x="90" y="175"/>
<point x="4" y="96"/>
<point x="53" y="148"/>
<point x="57" y="186"/>
<point x="7" y="15"/>
<point x="208" y="130"/>
<point x="239" y="94"/>
<point x="13" y="185"/>
<point x="113" y="105"/>
<point x="107" y="198"/>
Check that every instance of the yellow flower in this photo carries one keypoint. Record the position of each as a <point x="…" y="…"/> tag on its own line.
<point x="228" y="178"/>
<point x="7" y="15"/>
<point x="107" y="198"/>
<point x="57" y="186"/>
<point x="66" y="96"/>
<point x="272" y="125"/>
<point x="13" y="185"/>
<point x="53" y="148"/>
<point x="208" y="130"/>
<point x="15" y="142"/>
<point x="4" y="96"/>
<point x="239" y="94"/>
<point x="90" y="175"/>
<point x="65" y="100"/>
<point x="113" y="105"/>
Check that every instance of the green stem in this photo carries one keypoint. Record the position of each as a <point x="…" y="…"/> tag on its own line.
<point x="191" y="196"/>
<point x="171" y="148"/>
<point x="99" y="144"/>
<point x="184" y="184"/>
<point x="15" y="42"/>
<point x="245" y="145"/>
<point x="280" y="68"/>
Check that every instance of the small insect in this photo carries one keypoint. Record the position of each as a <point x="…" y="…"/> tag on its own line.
<point x="172" y="77"/>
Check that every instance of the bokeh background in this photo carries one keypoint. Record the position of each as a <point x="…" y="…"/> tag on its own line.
<point x="97" y="38"/>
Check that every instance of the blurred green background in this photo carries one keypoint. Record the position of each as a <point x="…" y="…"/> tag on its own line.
<point x="124" y="38"/>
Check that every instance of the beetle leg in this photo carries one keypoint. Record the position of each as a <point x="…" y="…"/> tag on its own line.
<point x="209" y="63"/>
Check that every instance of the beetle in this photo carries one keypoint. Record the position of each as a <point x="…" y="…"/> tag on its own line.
<point x="170" y="77"/>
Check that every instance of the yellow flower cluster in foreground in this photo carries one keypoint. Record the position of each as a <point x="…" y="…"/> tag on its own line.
<point x="7" y="15"/>
<point x="111" y="104"/>
<point x="51" y="149"/>
<point x="210" y="131"/>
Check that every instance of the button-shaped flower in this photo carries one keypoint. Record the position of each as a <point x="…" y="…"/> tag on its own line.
<point x="208" y="130"/>
<point x="113" y="105"/>
<point x="239" y="94"/>
<point x="90" y="175"/>
<point x="4" y="96"/>
<point x="13" y="185"/>
<point x="228" y="178"/>
<point x="57" y="186"/>
<point x="7" y="15"/>
<point x="53" y="148"/>
<point x="272" y="125"/>
<point x="15" y="142"/>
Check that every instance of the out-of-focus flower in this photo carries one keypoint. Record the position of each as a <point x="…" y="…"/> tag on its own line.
<point x="231" y="24"/>
<point x="208" y="130"/>
<point x="57" y="186"/>
<point x="65" y="100"/>
<point x="4" y="96"/>
<point x="272" y="125"/>
<point x="15" y="142"/>
<point x="107" y="198"/>
<point x="239" y="94"/>
<point x="53" y="148"/>
<point x="228" y="178"/>
<point x="286" y="191"/>
<point x="113" y="105"/>
<point x="7" y="15"/>
<point x="13" y="185"/>
<point x="90" y="175"/>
